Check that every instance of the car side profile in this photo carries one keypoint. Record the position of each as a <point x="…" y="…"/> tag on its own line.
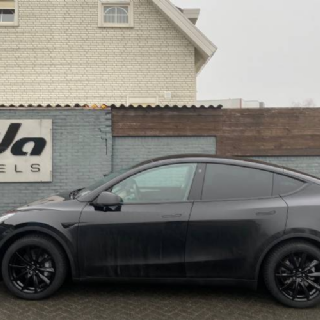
<point x="190" y="218"/>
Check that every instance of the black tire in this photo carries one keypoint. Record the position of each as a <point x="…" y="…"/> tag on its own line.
<point x="291" y="287"/>
<point x="41" y="266"/>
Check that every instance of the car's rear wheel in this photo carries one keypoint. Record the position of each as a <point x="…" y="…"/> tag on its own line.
<point x="292" y="274"/>
<point x="34" y="267"/>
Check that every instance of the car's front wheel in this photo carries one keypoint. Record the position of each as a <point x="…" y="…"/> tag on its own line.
<point x="292" y="274"/>
<point x="34" y="267"/>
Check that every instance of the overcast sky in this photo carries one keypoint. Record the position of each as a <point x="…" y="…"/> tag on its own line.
<point x="267" y="50"/>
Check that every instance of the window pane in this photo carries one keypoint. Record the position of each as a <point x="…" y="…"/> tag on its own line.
<point x="224" y="182"/>
<point x="284" y="184"/>
<point x="167" y="183"/>
<point x="116" y="15"/>
<point x="6" y="15"/>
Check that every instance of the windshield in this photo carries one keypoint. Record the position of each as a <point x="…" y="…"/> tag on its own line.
<point x="101" y="182"/>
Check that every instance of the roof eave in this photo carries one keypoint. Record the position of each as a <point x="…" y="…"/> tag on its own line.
<point x="192" y="33"/>
<point x="204" y="61"/>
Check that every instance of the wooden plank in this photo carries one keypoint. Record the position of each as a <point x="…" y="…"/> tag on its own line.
<point x="274" y="145"/>
<point x="227" y="122"/>
<point x="263" y="132"/>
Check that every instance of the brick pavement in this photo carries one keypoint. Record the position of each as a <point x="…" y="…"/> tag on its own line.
<point x="150" y="302"/>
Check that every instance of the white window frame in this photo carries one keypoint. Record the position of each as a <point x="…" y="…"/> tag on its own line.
<point x="15" y="23"/>
<point x="115" y="3"/>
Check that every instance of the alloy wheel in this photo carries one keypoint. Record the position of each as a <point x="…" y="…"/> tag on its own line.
<point x="31" y="269"/>
<point x="298" y="276"/>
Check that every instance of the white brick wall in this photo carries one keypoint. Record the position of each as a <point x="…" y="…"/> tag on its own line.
<point x="58" y="55"/>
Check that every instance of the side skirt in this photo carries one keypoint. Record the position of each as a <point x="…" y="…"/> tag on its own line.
<point x="251" y="284"/>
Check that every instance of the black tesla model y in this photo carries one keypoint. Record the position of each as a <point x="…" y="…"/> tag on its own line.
<point x="193" y="218"/>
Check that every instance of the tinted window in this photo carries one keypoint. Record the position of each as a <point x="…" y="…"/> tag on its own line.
<point x="233" y="182"/>
<point x="284" y="184"/>
<point x="167" y="183"/>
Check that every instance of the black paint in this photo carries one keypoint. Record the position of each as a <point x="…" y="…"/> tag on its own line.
<point x="9" y="136"/>
<point x="212" y="240"/>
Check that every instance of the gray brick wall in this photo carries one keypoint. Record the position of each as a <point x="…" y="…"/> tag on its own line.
<point x="79" y="153"/>
<point x="128" y="151"/>
<point x="310" y="165"/>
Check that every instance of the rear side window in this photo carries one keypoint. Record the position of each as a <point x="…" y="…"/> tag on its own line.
<point x="223" y="182"/>
<point x="284" y="184"/>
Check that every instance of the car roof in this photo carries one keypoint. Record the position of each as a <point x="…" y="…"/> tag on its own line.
<point x="198" y="156"/>
<point x="205" y="158"/>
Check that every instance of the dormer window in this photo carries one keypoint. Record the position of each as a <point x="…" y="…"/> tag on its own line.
<point x="115" y="13"/>
<point x="8" y="13"/>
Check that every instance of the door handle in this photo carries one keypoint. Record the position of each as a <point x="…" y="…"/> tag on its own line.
<point x="171" y="216"/>
<point x="266" y="213"/>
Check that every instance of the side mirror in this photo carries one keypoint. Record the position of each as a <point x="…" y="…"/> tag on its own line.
<point x="108" y="199"/>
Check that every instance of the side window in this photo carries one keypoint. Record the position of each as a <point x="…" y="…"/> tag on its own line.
<point x="284" y="184"/>
<point x="162" y="184"/>
<point x="8" y="13"/>
<point x="223" y="182"/>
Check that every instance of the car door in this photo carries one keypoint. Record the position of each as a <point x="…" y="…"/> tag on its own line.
<point x="234" y="221"/>
<point x="145" y="236"/>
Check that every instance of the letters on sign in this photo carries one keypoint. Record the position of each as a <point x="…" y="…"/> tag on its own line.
<point x="25" y="150"/>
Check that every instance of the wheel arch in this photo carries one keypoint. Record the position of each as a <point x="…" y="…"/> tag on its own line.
<point x="46" y="232"/>
<point x="289" y="238"/>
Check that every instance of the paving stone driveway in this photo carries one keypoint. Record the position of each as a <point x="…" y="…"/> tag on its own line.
<point x="122" y="302"/>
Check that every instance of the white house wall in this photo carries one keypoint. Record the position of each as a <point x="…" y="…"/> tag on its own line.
<point x="59" y="55"/>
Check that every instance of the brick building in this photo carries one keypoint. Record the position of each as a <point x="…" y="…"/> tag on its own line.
<point x="99" y="51"/>
<point x="87" y="143"/>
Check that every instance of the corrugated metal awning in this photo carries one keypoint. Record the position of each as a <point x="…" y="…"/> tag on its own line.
<point x="106" y="106"/>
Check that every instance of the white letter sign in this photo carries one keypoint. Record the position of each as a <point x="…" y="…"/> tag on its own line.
<point x="25" y="151"/>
